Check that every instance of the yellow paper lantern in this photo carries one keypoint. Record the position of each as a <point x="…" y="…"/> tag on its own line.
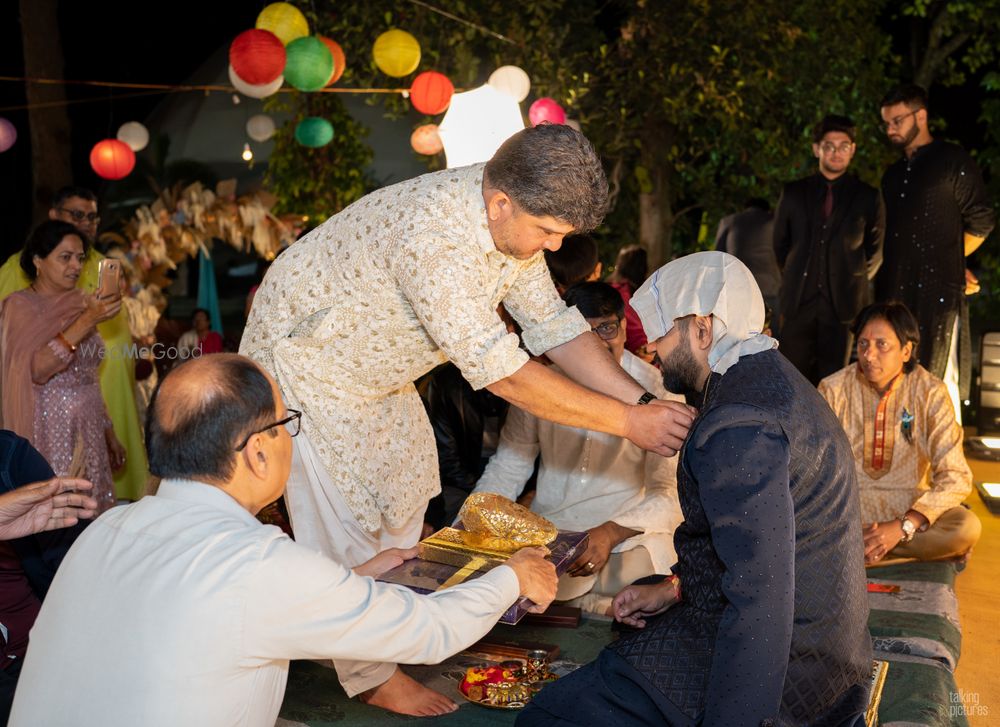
<point x="397" y="53"/>
<point x="284" y="20"/>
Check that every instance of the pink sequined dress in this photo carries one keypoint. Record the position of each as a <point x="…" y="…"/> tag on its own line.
<point x="70" y="420"/>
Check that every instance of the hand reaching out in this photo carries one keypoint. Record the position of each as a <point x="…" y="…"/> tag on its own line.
<point x="56" y="503"/>
<point x="385" y="561"/>
<point x="660" y="426"/>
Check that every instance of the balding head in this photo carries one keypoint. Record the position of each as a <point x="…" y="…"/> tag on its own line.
<point x="202" y="411"/>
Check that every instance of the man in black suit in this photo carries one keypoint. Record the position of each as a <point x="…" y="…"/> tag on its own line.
<point x="828" y="234"/>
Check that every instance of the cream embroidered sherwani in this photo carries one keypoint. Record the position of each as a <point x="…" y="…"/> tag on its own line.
<point x="928" y="474"/>
<point x="395" y="284"/>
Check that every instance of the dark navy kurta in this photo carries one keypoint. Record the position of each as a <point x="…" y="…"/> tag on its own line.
<point x="773" y="627"/>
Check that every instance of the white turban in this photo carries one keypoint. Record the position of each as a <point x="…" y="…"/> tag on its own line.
<point x="707" y="283"/>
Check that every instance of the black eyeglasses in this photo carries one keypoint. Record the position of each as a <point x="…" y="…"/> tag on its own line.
<point x="80" y="216"/>
<point x="896" y="122"/>
<point x="607" y="331"/>
<point x="293" y="424"/>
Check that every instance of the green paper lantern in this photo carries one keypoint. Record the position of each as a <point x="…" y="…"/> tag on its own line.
<point x="314" y="132"/>
<point x="309" y="64"/>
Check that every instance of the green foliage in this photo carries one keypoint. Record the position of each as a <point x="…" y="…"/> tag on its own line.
<point x="317" y="182"/>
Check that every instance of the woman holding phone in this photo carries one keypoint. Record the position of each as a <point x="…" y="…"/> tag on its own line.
<point x="49" y="355"/>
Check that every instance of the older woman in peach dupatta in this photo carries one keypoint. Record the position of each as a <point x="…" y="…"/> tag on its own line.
<point x="49" y="355"/>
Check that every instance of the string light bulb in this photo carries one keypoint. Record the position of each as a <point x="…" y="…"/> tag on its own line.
<point x="247" y="152"/>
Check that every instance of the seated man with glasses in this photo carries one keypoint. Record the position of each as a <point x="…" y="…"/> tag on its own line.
<point x="199" y="607"/>
<point x="624" y="496"/>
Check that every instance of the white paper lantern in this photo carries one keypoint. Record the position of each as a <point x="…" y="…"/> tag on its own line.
<point x="134" y="134"/>
<point x="248" y="89"/>
<point x="477" y="123"/>
<point x="512" y="81"/>
<point x="260" y="127"/>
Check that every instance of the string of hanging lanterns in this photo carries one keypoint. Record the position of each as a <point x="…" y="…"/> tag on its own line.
<point x="279" y="50"/>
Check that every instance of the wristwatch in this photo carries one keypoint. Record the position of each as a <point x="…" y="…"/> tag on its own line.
<point x="645" y="399"/>
<point x="909" y="529"/>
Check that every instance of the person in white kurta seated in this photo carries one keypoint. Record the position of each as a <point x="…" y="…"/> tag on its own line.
<point x="624" y="496"/>
<point x="218" y="603"/>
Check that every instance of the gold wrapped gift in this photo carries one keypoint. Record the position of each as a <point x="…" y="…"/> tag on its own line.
<point x="495" y="529"/>
<point x="486" y="513"/>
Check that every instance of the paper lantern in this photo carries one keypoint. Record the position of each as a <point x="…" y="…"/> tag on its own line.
<point x="257" y="56"/>
<point x="134" y="134"/>
<point x="397" y="53"/>
<point x="546" y="109"/>
<point x="339" y="60"/>
<point x="314" y="132"/>
<point x="310" y="64"/>
<point x="248" y="89"/>
<point x="112" y="159"/>
<point x="426" y="140"/>
<point x="260" y="127"/>
<point x="477" y="123"/>
<point x="8" y="134"/>
<point x="284" y="20"/>
<point x="431" y="92"/>
<point x="512" y="81"/>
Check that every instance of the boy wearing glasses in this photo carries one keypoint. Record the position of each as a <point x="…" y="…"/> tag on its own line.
<point x="625" y="497"/>
<point x="828" y="234"/>
<point x="937" y="214"/>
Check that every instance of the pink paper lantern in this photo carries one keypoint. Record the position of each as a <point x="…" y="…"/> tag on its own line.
<point x="425" y="140"/>
<point x="544" y="110"/>
<point x="112" y="159"/>
<point x="8" y="135"/>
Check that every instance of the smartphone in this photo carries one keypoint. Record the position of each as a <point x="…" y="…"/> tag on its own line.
<point x="109" y="273"/>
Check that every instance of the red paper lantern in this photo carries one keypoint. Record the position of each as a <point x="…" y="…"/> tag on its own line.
<point x="546" y="110"/>
<point x="339" y="60"/>
<point x="431" y="92"/>
<point x="112" y="159"/>
<point x="257" y="56"/>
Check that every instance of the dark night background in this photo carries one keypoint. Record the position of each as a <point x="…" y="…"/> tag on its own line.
<point x="115" y="40"/>
<point x="110" y="40"/>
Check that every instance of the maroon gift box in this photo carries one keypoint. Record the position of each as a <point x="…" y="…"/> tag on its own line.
<point x="425" y="576"/>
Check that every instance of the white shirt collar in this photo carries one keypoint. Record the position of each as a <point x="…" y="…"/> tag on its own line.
<point x="202" y="493"/>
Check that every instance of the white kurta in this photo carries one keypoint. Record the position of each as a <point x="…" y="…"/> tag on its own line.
<point x="398" y="282"/>
<point x="587" y="478"/>
<point x="183" y="609"/>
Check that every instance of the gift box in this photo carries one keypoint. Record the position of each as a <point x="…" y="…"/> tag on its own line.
<point x="465" y="562"/>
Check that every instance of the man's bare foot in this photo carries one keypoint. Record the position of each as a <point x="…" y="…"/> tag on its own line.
<point x="405" y="695"/>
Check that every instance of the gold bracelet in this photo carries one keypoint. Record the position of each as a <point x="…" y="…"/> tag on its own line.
<point x="65" y="341"/>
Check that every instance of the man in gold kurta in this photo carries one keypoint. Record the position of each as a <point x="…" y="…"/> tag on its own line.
<point x="403" y="280"/>
<point x="78" y="206"/>
<point x="912" y="474"/>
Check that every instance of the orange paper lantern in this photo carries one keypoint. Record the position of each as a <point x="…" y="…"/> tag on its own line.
<point x="339" y="60"/>
<point x="425" y="140"/>
<point x="431" y="92"/>
<point x="112" y="159"/>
